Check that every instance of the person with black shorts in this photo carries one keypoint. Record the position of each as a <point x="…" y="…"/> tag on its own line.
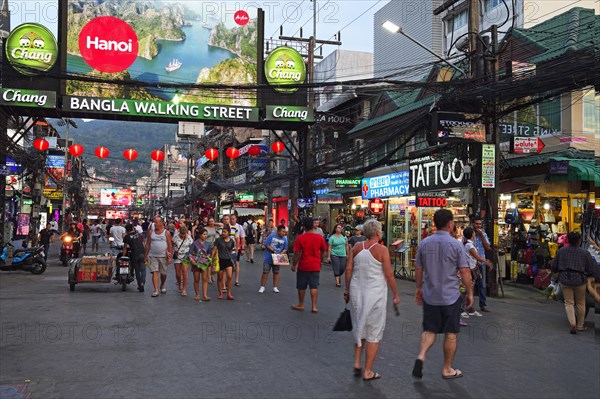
<point x="440" y="259"/>
<point x="224" y="247"/>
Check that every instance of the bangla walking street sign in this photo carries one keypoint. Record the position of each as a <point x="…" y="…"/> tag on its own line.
<point x="164" y="109"/>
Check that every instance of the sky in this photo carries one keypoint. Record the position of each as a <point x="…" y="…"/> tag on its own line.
<point x="333" y="15"/>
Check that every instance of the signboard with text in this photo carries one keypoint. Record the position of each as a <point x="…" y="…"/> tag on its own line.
<point x="488" y="166"/>
<point x="459" y="126"/>
<point x="347" y="183"/>
<point x="431" y="200"/>
<point x="526" y="145"/>
<point x="429" y="173"/>
<point x="390" y="185"/>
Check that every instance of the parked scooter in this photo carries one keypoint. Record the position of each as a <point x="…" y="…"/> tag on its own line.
<point x="68" y="250"/>
<point x="124" y="273"/>
<point x="29" y="259"/>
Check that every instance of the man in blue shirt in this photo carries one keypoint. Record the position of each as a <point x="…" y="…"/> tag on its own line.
<point x="276" y="243"/>
<point x="482" y="244"/>
<point x="440" y="260"/>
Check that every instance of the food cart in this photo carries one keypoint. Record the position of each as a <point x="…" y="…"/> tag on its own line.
<point x="90" y="269"/>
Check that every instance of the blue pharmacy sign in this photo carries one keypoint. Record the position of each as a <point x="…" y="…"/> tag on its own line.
<point x="391" y="185"/>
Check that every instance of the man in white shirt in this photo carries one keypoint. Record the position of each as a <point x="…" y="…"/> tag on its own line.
<point x="241" y="245"/>
<point x="117" y="232"/>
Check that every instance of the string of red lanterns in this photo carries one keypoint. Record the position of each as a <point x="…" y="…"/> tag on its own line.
<point x="277" y="147"/>
<point x="232" y="153"/>
<point x="211" y="154"/>
<point x="76" y="150"/>
<point x="157" y="155"/>
<point x="130" y="154"/>
<point x="102" y="152"/>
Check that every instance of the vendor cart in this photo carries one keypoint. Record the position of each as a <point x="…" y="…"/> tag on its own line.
<point x="90" y="269"/>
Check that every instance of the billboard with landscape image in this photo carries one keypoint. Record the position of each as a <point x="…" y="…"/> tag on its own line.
<point x="159" y="43"/>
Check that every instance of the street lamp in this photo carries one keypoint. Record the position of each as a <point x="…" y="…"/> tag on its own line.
<point x="392" y="27"/>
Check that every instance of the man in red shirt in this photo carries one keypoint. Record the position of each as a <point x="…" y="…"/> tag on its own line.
<point x="309" y="248"/>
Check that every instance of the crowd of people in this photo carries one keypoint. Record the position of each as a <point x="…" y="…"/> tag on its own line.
<point x="449" y="264"/>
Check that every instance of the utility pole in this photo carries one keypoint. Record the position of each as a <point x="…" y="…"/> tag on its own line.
<point x="65" y="191"/>
<point x="304" y="134"/>
<point x="474" y="36"/>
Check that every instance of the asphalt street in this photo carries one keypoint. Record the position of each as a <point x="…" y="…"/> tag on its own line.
<point x="99" y="342"/>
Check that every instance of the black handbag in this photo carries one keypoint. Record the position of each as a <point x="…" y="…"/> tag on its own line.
<point x="344" y="322"/>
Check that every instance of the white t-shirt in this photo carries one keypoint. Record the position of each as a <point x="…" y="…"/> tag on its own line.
<point x="139" y="229"/>
<point x="471" y="261"/>
<point x="118" y="232"/>
<point x="95" y="230"/>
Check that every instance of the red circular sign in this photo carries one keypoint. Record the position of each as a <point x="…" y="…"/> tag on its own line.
<point x="108" y="44"/>
<point x="241" y="17"/>
<point x="376" y="206"/>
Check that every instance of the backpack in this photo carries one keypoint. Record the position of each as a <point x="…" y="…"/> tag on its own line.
<point x="250" y="230"/>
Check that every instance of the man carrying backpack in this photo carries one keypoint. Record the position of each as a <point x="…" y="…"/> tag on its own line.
<point x="250" y="228"/>
<point x="134" y="245"/>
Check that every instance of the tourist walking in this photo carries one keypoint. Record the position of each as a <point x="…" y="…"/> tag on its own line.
<point x="336" y="254"/>
<point x="133" y="242"/>
<point x="251" y="232"/>
<point x="439" y="259"/>
<point x="96" y="232"/>
<point x="368" y="276"/>
<point x="309" y="249"/>
<point x="574" y="265"/>
<point x="276" y="243"/>
<point x="182" y="243"/>
<point x="200" y="258"/>
<point x="224" y="248"/>
<point x="159" y="252"/>
<point x="482" y="244"/>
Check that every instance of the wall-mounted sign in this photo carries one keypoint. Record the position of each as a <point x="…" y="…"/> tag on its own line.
<point x="285" y="66"/>
<point x="244" y="197"/>
<point x="391" y="185"/>
<point x="289" y="113"/>
<point x="433" y="200"/>
<point x="31" y="49"/>
<point x="330" y="199"/>
<point x="305" y="203"/>
<point x="488" y="166"/>
<point x="376" y="206"/>
<point x="347" y="183"/>
<point x="28" y="98"/>
<point x="226" y="196"/>
<point x="55" y="161"/>
<point x="559" y="167"/>
<point x="161" y="109"/>
<point x="245" y="205"/>
<point x="526" y="145"/>
<point x="53" y="194"/>
<point x="428" y="173"/>
<point x="455" y="126"/>
<point x="323" y="118"/>
<point x="321" y="182"/>
<point x="115" y="196"/>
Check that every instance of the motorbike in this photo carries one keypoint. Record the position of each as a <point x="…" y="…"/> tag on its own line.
<point x="68" y="250"/>
<point x="29" y="259"/>
<point x="124" y="273"/>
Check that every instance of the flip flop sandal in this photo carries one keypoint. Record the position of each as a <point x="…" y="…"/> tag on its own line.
<point x="582" y="329"/>
<point x="154" y="294"/>
<point x="206" y="299"/>
<point x="418" y="369"/>
<point x="297" y="308"/>
<point x="357" y="372"/>
<point x="457" y="374"/>
<point x="376" y="376"/>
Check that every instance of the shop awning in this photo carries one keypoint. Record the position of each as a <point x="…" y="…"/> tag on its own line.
<point x="509" y="186"/>
<point x="581" y="169"/>
<point x="249" y="211"/>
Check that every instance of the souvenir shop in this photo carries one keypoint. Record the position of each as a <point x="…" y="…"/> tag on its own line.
<point x="533" y="225"/>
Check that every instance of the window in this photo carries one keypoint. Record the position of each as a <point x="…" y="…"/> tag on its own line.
<point x="458" y="21"/>
<point x="491" y="4"/>
<point x="591" y="111"/>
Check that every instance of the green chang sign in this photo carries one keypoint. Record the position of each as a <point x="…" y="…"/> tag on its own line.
<point x="31" y="49"/>
<point x="347" y="183"/>
<point x="289" y="113"/>
<point x="285" y="66"/>
<point x="28" y="98"/>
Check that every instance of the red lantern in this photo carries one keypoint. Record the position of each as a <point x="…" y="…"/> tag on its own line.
<point x="76" y="150"/>
<point x="277" y="146"/>
<point x="130" y="154"/>
<point x="232" y="152"/>
<point x="254" y="150"/>
<point x="41" y="144"/>
<point x="211" y="154"/>
<point x="102" y="152"/>
<point x="157" y="155"/>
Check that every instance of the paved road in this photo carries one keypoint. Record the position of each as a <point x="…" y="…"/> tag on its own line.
<point x="99" y="342"/>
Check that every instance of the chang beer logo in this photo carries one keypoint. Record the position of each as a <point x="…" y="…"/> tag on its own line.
<point x="31" y="49"/>
<point x="285" y="66"/>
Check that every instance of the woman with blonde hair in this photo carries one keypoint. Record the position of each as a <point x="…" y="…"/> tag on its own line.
<point x="368" y="268"/>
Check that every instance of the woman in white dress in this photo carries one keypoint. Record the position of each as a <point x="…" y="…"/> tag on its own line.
<point x="368" y="268"/>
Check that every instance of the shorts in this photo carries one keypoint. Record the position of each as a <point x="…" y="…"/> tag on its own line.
<point x="307" y="279"/>
<point x="267" y="267"/>
<point x="184" y="262"/>
<point x="442" y="319"/>
<point x="158" y="265"/>
<point x="225" y="263"/>
<point x="250" y="240"/>
<point x="95" y="240"/>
